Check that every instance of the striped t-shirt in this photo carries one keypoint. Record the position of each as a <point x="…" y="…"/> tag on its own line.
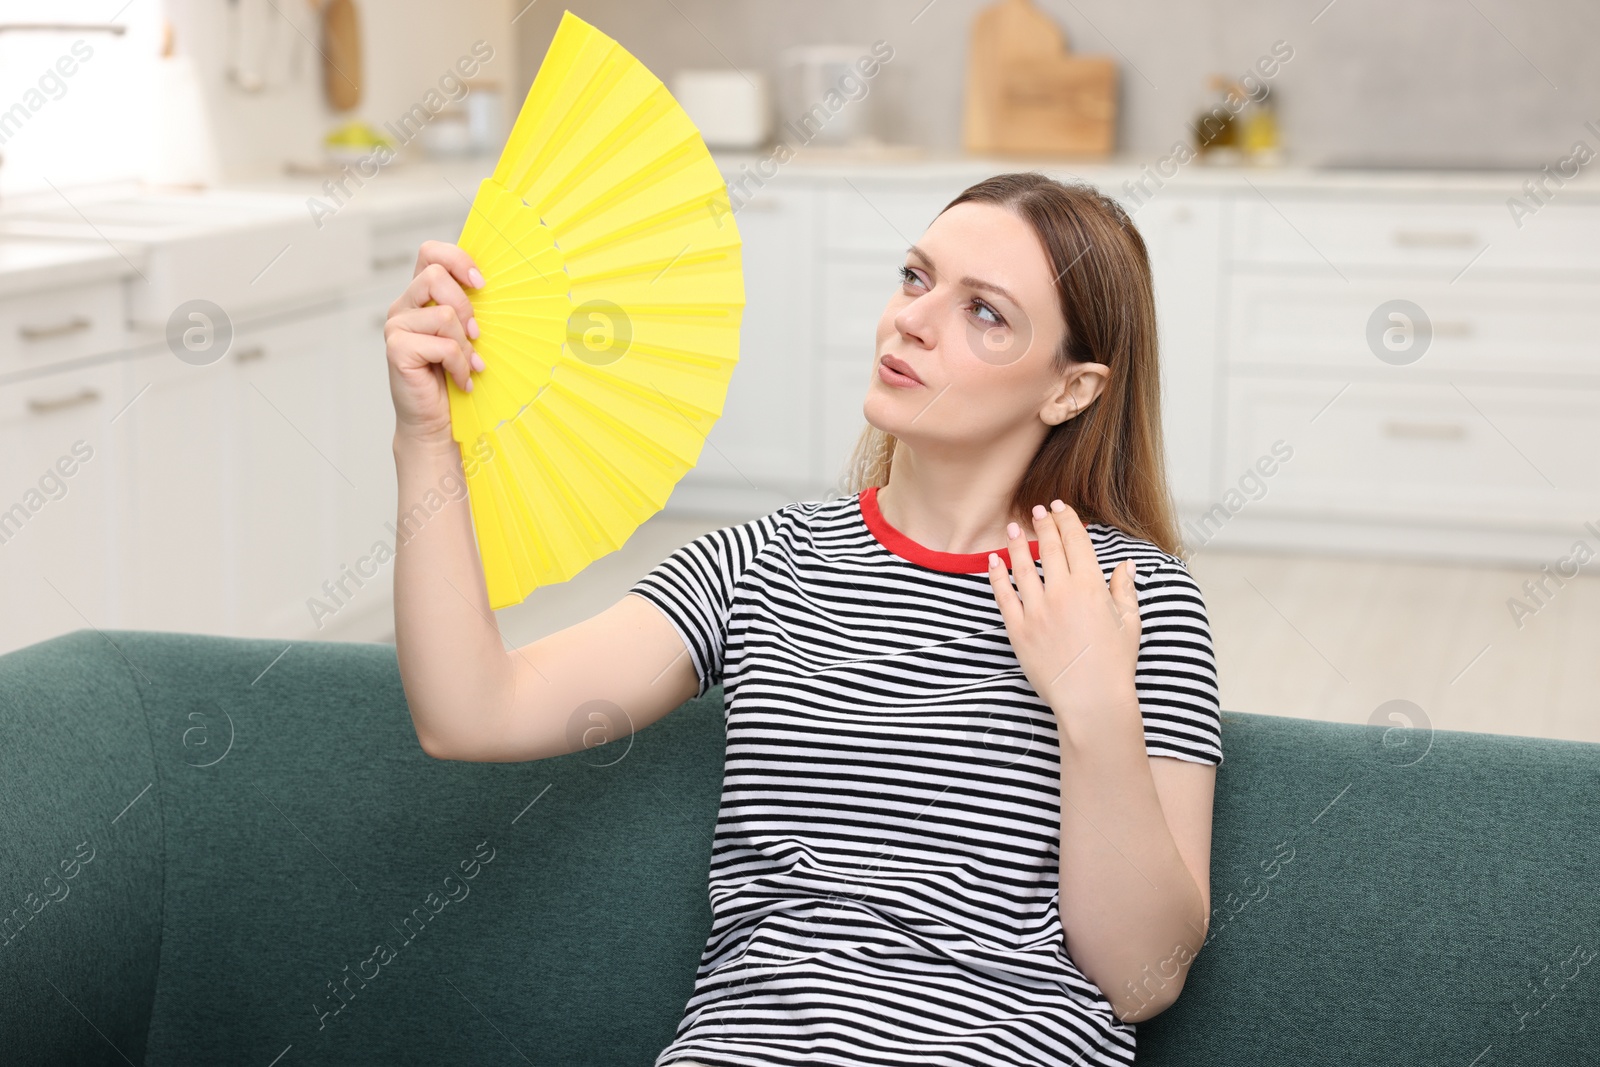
<point x="884" y="881"/>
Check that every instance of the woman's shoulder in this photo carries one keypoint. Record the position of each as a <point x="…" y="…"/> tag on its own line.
<point x="1112" y="545"/>
<point x="784" y="527"/>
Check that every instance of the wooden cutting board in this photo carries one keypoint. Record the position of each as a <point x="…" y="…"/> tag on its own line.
<point x="341" y="55"/>
<point x="1026" y="94"/>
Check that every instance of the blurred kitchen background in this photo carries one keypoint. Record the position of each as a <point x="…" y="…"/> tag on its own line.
<point x="1374" y="231"/>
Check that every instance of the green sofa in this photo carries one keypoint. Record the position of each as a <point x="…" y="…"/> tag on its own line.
<point x="220" y="850"/>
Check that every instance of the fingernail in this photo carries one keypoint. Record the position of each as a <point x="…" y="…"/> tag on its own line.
<point x="1038" y="511"/>
<point x="472" y="327"/>
<point x="475" y="277"/>
<point x="1013" y="530"/>
<point x="994" y="560"/>
<point x="1056" y="505"/>
<point x="477" y="362"/>
<point x="468" y="389"/>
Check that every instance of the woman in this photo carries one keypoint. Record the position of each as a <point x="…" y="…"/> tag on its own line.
<point x="962" y="822"/>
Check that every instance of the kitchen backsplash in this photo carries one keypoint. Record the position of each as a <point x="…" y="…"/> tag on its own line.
<point x="1490" y="82"/>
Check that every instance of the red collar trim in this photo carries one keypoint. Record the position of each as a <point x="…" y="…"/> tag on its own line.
<point x="902" y="546"/>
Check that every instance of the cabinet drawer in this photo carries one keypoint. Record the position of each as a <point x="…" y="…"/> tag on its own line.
<point x="395" y="243"/>
<point x="41" y="329"/>
<point x="854" y="294"/>
<point x="1416" y="236"/>
<point x="1502" y="456"/>
<point x="1507" y="327"/>
<point x="873" y="217"/>
<point x="59" y="487"/>
<point x="844" y="384"/>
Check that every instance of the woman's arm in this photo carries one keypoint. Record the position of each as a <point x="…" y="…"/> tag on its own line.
<point x="1134" y="900"/>
<point x="470" y="698"/>
<point x="447" y="641"/>
<point x="1134" y="894"/>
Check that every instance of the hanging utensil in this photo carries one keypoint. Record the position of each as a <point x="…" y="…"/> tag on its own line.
<point x="246" y="80"/>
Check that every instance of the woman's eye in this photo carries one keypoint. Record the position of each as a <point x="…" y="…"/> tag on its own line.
<point x="909" y="277"/>
<point x="998" y="320"/>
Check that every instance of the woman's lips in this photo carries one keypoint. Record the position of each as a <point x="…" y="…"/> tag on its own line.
<point x="891" y="376"/>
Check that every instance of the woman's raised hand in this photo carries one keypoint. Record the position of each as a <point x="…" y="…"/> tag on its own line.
<point x="429" y="334"/>
<point x="1076" y="636"/>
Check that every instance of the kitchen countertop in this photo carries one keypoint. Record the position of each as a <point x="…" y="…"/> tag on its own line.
<point x="428" y="188"/>
<point x="418" y="183"/>
<point x="27" y="265"/>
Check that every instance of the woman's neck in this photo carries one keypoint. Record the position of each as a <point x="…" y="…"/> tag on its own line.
<point x="966" y="516"/>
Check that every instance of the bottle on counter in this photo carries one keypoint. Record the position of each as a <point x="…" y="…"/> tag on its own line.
<point x="1216" y="127"/>
<point x="1259" y="135"/>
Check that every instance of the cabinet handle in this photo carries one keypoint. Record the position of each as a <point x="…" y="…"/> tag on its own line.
<point x="76" y="324"/>
<point x="86" y="395"/>
<point x="1435" y="238"/>
<point x="1452" y="328"/>
<point x="399" y="259"/>
<point x="1450" y="431"/>
<point x="245" y="355"/>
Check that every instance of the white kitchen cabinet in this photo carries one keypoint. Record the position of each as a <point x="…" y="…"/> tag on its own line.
<point x="1501" y="330"/>
<point x="56" y="326"/>
<point x="1330" y="232"/>
<point x="1480" y="446"/>
<point x="59" y="504"/>
<point x="179" y="548"/>
<point x="844" y="390"/>
<point x="1183" y="235"/>
<point x="234" y="480"/>
<point x="1496" y="455"/>
<point x="286" y="484"/>
<point x="362" y="603"/>
<point x="869" y="214"/>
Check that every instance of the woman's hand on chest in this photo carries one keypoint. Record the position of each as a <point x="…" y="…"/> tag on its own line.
<point x="1075" y="636"/>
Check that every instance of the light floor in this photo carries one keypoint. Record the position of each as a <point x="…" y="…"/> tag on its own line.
<point x="1312" y="636"/>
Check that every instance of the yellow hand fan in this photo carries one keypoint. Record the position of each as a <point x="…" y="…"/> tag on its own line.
<point x="608" y="320"/>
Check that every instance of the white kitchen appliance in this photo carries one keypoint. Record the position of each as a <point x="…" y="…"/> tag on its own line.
<point x="731" y="108"/>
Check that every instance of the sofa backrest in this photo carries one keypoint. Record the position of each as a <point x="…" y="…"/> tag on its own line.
<point x="300" y="879"/>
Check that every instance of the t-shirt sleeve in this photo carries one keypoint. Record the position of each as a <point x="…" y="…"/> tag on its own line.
<point x="1176" y="675"/>
<point x="694" y="588"/>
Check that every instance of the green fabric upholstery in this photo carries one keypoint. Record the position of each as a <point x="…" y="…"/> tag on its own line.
<point x="1369" y="906"/>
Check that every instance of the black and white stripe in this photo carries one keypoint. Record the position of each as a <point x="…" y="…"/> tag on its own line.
<point x="884" y="884"/>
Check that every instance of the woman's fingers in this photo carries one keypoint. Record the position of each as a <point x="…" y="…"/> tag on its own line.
<point x="1124" y="594"/>
<point x="451" y="257"/>
<point x="425" y="348"/>
<point x="1004" y="596"/>
<point x="1052" y="552"/>
<point x="1081" y="558"/>
<point x="1022" y="569"/>
<point x="435" y="284"/>
<point x="438" y="319"/>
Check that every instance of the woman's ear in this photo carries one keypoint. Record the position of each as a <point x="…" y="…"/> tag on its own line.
<point x="1078" y="388"/>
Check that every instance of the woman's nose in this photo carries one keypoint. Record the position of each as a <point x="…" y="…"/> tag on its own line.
<point x="916" y="319"/>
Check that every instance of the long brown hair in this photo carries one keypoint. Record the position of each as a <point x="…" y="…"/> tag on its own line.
<point x="1107" y="462"/>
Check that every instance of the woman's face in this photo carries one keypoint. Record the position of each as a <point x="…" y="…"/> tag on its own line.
<point x="977" y="319"/>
